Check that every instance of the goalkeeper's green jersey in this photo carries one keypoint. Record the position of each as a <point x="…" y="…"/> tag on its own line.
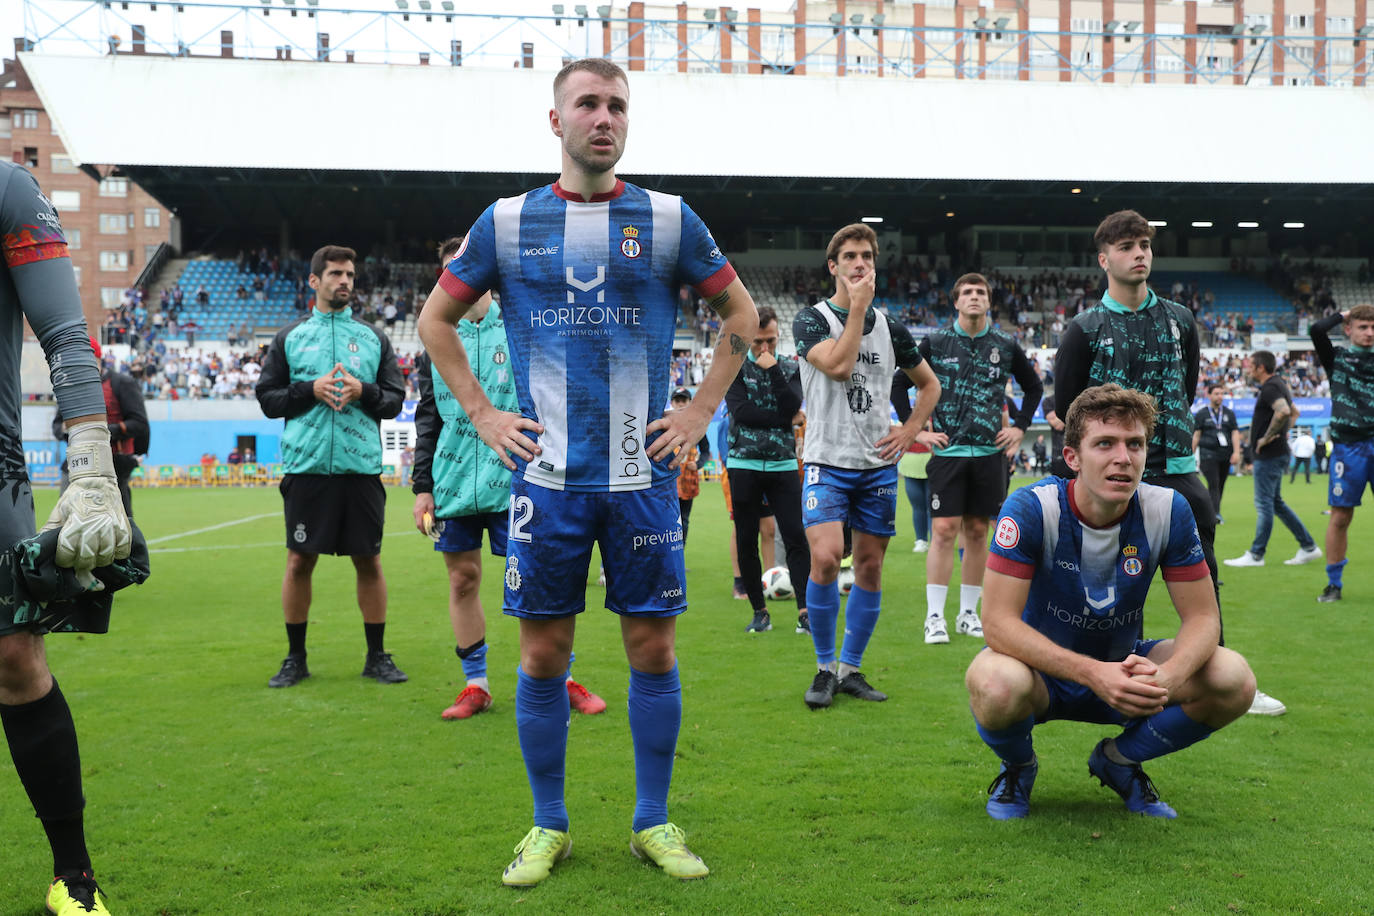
<point x="319" y="439"/>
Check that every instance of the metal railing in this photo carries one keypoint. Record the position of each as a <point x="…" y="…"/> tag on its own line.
<point x="424" y="33"/>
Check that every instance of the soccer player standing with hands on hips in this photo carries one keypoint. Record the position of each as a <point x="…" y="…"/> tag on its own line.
<point x="334" y="379"/>
<point x="588" y="271"/>
<point x="850" y="352"/>
<point x="462" y="489"/>
<point x="1140" y="340"/>
<point x="37" y="285"/>
<point x="1351" y="370"/>
<point x="968" y="472"/>
<point x="1063" y="611"/>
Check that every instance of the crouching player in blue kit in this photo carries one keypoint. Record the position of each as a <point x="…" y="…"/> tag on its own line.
<point x="1070" y="564"/>
<point x="588" y="271"/>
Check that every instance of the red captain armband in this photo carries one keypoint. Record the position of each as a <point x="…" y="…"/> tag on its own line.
<point x="31" y="244"/>
<point x="457" y="288"/>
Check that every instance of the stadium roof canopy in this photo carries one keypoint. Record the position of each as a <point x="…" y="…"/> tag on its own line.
<point x="264" y="141"/>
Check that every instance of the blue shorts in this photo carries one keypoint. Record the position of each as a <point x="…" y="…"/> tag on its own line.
<point x="464" y="533"/>
<point x="1350" y="469"/>
<point x="1072" y="701"/>
<point x="549" y="550"/>
<point x="864" y="500"/>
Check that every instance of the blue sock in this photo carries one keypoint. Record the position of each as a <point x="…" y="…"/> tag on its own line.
<point x="474" y="659"/>
<point x="572" y="657"/>
<point x="1334" y="572"/>
<point x="823" y="604"/>
<point x="1013" y="743"/>
<point x="541" y="721"/>
<point x="860" y="617"/>
<point x="1160" y="734"/>
<point x="655" y="716"/>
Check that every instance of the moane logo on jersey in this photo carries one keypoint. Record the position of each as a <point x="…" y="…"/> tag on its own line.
<point x="540" y="251"/>
<point x="1008" y="534"/>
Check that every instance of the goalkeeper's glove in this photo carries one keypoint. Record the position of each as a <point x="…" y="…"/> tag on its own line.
<point x="94" y="529"/>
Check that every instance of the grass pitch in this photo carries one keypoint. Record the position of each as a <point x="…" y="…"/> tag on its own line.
<point x="209" y="793"/>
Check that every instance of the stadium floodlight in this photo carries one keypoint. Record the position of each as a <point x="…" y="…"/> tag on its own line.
<point x="312" y="2"/>
<point x="1111" y="26"/>
<point x="1202" y="224"/>
<point x="981" y="22"/>
<point x="604" y="12"/>
<point x="266" y="2"/>
<point x="731" y="14"/>
<point x="1238" y="29"/>
<point x="878" y="19"/>
<point x="1158" y="223"/>
<point x="870" y="219"/>
<point x="1295" y="225"/>
<point x="836" y="19"/>
<point x="710" y="14"/>
<point x="1131" y="26"/>
<point x="581" y="10"/>
<point x="1075" y="190"/>
<point x="447" y="5"/>
<point x="856" y="19"/>
<point x="402" y="5"/>
<point x="289" y="2"/>
<point x="949" y="213"/>
<point x="1001" y="23"/>
<point x="1256" y="30"/>
<point x="424" y="5"/>
<point x="1365" y="31"/>
<point x="1247" y="224"/>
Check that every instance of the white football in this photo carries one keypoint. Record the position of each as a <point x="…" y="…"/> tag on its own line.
<point x="846" y="579"/>
<point x="777" y="583"/>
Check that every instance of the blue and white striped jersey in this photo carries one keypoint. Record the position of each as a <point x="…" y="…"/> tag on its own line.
<point x="589" y="293"/>
<point x="1088" y="585"/>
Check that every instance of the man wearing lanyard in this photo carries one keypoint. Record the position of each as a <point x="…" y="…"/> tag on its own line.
<point x="1216" y="439"/>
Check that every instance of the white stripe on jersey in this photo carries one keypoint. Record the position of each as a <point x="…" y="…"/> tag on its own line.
<point x="629" y="467"/>
<point x="1049" y="520"/>
<point x="1157" y="508"/>
<point x="549" y="392"/>
<point x="505" y="217"/>
<point x="667" y="234"/>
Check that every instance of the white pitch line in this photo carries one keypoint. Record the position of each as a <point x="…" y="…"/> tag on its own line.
<point x="390" y="534"/>
<point x="230" y="524"/>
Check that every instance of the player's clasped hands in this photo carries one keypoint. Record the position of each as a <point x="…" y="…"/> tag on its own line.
<point x="337" y="388"/>
<point x="1129" y="686"/>
<point x="504" y="433"/>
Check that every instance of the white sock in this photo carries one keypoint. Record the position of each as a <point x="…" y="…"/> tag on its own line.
<point x="828" y="666"/>
<point x="968" y="598"/>
<point x="479" y="682"/>
<point x="935" y="600"/>
<point x="845" y="671"/>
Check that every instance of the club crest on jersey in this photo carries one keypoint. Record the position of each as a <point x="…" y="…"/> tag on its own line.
<point x="499" y="357"/>
<point x="1008" y="534"/>
<point x="352" y="346"/>
<point x="513" y="579"/>
<point x="630" y="248"/>
<point x="995" y="357"/>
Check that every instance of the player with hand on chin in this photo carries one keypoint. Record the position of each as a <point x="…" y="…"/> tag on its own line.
<point x="1063" y="603"/>
<point x="588" y="271"/>
<point x="850" y="352"/>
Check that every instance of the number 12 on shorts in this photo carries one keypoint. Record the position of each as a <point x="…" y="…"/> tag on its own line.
<point x="521" y="511"/>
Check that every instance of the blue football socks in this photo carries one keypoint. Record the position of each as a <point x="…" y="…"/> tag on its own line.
<point x="1335" y="572"/>
<point x="655" y="703"/>
<point x="474" y="659"/>
<point x="860" y="619"/>
<point x="541" y="721"/>
<point x="823" y="604"/>
<point x="1013" y="743"/>
<point x="1160" y="734"/>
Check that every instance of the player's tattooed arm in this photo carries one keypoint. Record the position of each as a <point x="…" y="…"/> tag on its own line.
<point x="719" y="300"/>
<point x="738" y="345"/>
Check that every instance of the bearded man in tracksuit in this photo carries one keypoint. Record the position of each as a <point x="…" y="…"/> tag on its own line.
<point x="334" y="379"/>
